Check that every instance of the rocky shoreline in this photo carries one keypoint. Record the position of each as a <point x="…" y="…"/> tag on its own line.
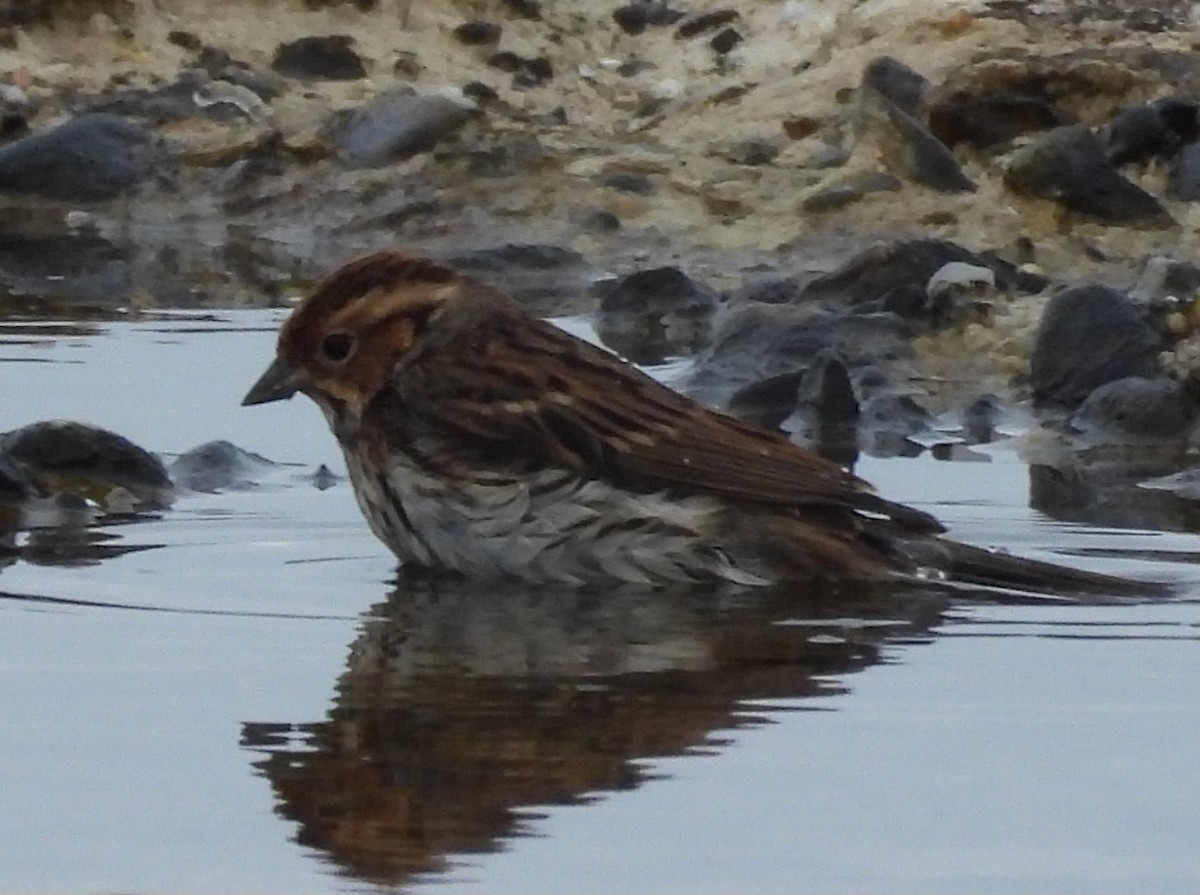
<point x="856" y="216"/>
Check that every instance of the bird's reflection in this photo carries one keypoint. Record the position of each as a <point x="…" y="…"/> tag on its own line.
<point x="461" y="705"/>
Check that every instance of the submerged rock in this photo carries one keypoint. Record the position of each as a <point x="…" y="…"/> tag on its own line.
<point x="1136" y="407"/>
<point x="218" y="466"/>
<point x="71" y="458"/>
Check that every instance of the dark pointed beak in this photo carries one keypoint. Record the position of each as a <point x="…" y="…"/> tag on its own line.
<point x="279" y="383"/>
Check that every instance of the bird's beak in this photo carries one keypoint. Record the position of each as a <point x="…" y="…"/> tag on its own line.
<point x="277" y="384"/>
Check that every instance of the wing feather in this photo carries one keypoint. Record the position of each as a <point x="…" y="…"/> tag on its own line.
<point x="537" y="394"/>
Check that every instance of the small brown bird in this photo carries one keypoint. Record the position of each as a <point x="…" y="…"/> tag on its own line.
<point x="483" y="440"/>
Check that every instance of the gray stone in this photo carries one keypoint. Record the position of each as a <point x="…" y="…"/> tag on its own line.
<point x="395" y="126"/>
<point x="1089" y="336"/>
<point x="1136" y="407"/>
<point x="1069" y="165"/>
<point x="87" y="159"/>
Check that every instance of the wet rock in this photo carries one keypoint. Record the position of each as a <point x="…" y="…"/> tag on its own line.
<point x="905" y="146"/>
<point x="524" y="9"/>
<point x="600" y="221"/>
<point x="834" y="197"/>
<point x="1148" y="131"/>
<point x="757" y="341"/>
<point x="1136" y="407"/>
<point x="396" y="125"/>
<point x="705" y="22"/>
<point x="330" y="58"/>
<point x="547" y="279"/>
<point x="906" y="268"/>
<point x="769" y="289"/>
<point x="218" y="466"/>
<point x="90" y="158"/>
<point x="1164" y="278"/>
<point x="634" y="182"/>
<point x="896" y="82"/>
<point x="826" y="394"/>
<point x="526" y="72"/>
<point x="1069" y="165"/>
<point x="478" y="33"/>
<point x="769" y="401"/>
<point x="530" y="256"/>
<point x="74" y="267"/>
<point x="650" y="315"/>
<point x="635" y="18"/>
<point x="15" y="482"/>
<point x="725" y="40"/>
<point x="749" y="152"/>
<point x="980" y="419"/>
<point x="1184" y="183"/>
<point x="75" y="458"/>
<point x="983" y="121"/>
<point x="1089" y="336"/>
<point x="889" y="422"/>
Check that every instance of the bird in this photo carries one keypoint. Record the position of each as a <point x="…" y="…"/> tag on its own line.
<point x="485" y="442"/>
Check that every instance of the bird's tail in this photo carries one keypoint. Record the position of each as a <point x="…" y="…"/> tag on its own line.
<point x="989" y="568"/>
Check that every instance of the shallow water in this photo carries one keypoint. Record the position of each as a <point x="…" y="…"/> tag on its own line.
<point x="242" y="696"/>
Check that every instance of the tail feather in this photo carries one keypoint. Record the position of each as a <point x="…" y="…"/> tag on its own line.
<point x="977" y="565"/>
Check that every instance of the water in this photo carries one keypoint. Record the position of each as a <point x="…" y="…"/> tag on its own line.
<point x="241" y="696"/>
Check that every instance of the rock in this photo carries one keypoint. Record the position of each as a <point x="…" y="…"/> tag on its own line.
<point x="478" y="33"/>
<point x="757" y="341"/>
<point x="90" y="158"/>
<point x="992" y="119"/>
<point x="903" y="87"/>
<point x="725" y="40"/>
<point x="980" y="419"/>
<point x="73" y="267"/>
<point x="826" y="395"/>
<point x="904" y="145"/>
<point x="218" y="466"/>
<point x="1165" y="278"/>
<point x="1151" y="130"/>
<point x="75" y="458"/>
<point x="888" y="423"/>
<point x="650" y="315"/>
<point x="15" y="482"/>
<point x="833" y="197"/>
<point x="767" y="402"/>
<point x="1089" y="336"/>
<point x="1184" y="183"/>
<point x="1069" y="165"/>
<point x="1136" y="407"/>
<point x="548" y="279"/>
<point x="769" y="289"/>
<point x="635" y="18"/>
<point x="892" y="269"/>
<point x="709" y="21"/>
<point x="524" y="9"/>
<point x="396" y="125"/>
<point x="330" y="58"/>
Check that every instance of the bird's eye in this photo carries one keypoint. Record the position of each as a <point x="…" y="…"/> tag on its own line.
<point x="336" y="346"/>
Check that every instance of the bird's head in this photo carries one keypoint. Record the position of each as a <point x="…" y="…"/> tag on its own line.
<point x="342" y="343"/>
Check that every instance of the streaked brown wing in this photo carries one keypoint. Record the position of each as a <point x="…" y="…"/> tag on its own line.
<point x="536" y="393"/>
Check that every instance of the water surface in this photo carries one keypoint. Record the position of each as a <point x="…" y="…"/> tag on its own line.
<point x="244" y="696"/>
